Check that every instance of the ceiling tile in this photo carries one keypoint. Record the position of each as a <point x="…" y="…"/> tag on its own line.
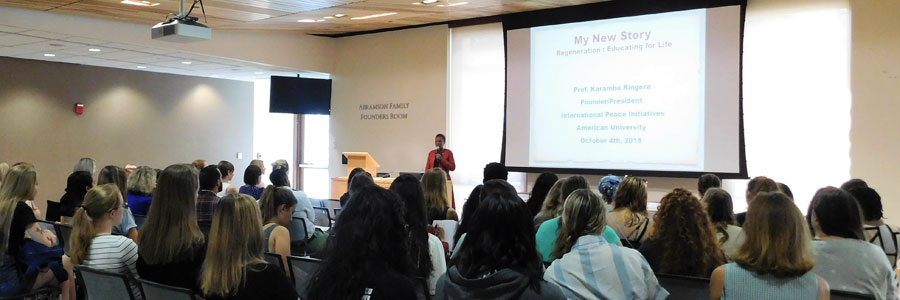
<point x="43" y="34"/>
<point x="10" y="51"/>
<point x="15" y="40"/>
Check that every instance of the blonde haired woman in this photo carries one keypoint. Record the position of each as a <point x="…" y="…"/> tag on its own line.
<point x="623" y="273"/>
<point x="629" y="217"/>
<point x="234" y="266"/>
<point x="776" y="261"/>
<point x="172" y="245"/>
<point x="93" y="245"/>
<point x="141" y="183"/>
<point x="4" y="168"/>
<point x="17" y="219"/>
<point x="437" y="203"/>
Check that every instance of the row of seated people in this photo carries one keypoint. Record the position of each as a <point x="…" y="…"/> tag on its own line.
<point x="382" y="246"/>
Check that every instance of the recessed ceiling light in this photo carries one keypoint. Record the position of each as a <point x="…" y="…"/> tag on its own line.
<point x="186" y="63"/>
<point x="94" y="50"/>
<point x="374" y="16"/>
<point x="49" y="55"/>
<point x="429" y="1"/>
<point x="452" y="4"/>
<point x="139" y="3"/>
<point x="328" y="17"/>
<point x="258" y="73"/>
<point x="310" y="20"/>
<point x="141" y="67"/>
<point x="215" y="76"/>
<point x="339" y="15"/>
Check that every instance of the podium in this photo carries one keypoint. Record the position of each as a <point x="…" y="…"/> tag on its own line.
<point x="366" y="162"/>
<point x="358" y="160"/>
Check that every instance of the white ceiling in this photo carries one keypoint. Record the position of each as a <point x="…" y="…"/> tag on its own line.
<point x="33" y="44"/>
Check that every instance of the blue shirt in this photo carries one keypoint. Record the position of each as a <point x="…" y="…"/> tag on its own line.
<point x="549" y="230"/>
<point x="139" y="204"/>
<point x="253" y="191"/>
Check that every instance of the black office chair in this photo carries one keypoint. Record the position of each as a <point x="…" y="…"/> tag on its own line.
<point x="302" y="270"/>
<point x="63" y="233"/>
<point x="54" y="210"/>
<point x="158" y="291"/>
<point x="323" y="217"/>
<point x="844" y="295"/>
<point x="101" y="284"/>
<point x="684" y="287"/>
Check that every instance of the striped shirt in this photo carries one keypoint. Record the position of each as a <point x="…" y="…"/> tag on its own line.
<point x="114" y="253"/>
<point x="596" y="269"/>
<point x="741" y="284"/>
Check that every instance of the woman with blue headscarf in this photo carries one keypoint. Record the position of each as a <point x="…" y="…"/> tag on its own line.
<point x="607" y="187"/>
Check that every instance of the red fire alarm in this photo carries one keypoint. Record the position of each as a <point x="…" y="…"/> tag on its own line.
<point x="79" y="108"/>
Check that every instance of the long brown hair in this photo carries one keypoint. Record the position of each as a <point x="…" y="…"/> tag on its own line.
<point x="271" y="200"/>
<point x="584" y="213"/>
<point x="115" y="175"/>
<point x="552" y="205"/>
<point x="19" y="185"/>
<point x="760" y="184"/>
<point x="434" y="185"/>
<point x="98" y="202"/>
<point x="235" y="243"/>
<point x="720" y="210"/>
<point x="778" y="240"/>
<point x="683" y="227"/>
<point x="171" y="228"/>
<point x="632" y="195"/>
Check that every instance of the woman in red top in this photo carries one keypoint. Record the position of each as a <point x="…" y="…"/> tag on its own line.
<point x="440" y="157"/>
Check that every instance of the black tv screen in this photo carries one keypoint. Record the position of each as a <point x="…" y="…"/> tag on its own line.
<point x="297" y="95"/>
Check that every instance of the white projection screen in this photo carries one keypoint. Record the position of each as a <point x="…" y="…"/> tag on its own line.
<point x="650" y="94"/>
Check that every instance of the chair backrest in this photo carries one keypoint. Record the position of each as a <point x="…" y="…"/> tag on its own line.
<point x="323" y="218"/>
<point x="274" y="259"/>
<point x="337" y="213"/>
<point x="54" y="210"/>
<point x="449" y="227"/>
<point x="139" y="220"/>
<point x="104" y="285"/>
<point x="844" y="295"/>
<point x="159" y="291"/>
<point x="46" y="225"/>
<point x="63" y="233"/>
<point x="684" y="287"/>
<point x="303" y="270"/>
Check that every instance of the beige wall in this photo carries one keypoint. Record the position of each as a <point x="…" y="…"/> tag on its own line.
<point x="875" y="85"/>
<point x="132" y="117"/>
<point x="407" y="66"/>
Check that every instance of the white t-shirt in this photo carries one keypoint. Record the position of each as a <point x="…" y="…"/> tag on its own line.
<point x="438" y="262"/>
<point x="225" y="187"/>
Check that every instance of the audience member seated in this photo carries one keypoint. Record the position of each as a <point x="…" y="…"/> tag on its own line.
<point x="172" y="246"/>
<point x="199" y="164"/>
<point x="629" y="217"/>
<point x="77" y="185"/>
<point x="784" y="188"/>
<point x="708" y="181"/>
<point x="539" y="192"/>
<point x="370" y="246"/>
<point x="141" y="183"/>
<point x="16" y="220"/>
<point x="836" y="219"/>
<point x="552" y="205"/>
<point x="425" y="249"/>
<point x="437" y="204"/>
<point x="234" y="267"/>
<point x="607" y="187"/>
<point x="498" y="259"/>
<point x="4" y="168"/>
<point x="776" y="261"/>
<point x="876" y="230"/>
<point x="227" y="171"/>
<point x="346" y="196"/>
<point x="280" y="164"/>
<point x="93" y="245"/>
<point x="854" y="183"/>
<point x="617" y="272"/>
<point x="262" y="171"/>
<point x="548" y="233"/>
<point x="357" y="183"/>
<point x="207" y="198"/>
<point x="277" y="207"/>
<point x="316" y="239"/>
<point x="719" y="207"/>
<point x="755" y="186"/>
<point x="683" y="241"/>
<point x="252" y="179"/>
<point x="86" y="164"/>
<point x="493" y="171"/>
<point x="117" y="175"/>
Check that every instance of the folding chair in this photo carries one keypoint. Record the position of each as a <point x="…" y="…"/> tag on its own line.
<point x="303" y="269"/>
<point x="101" y="285"/>
<point x="159" y="291"/>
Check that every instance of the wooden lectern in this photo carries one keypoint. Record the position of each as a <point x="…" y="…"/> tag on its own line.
<point x="361" y="160"/>
<point x="358" y="160"/>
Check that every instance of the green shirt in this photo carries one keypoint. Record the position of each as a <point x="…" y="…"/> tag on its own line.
<point x="549" y="230"/>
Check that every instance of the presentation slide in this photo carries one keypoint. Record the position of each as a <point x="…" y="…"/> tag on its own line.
<point x="632" y="93"/>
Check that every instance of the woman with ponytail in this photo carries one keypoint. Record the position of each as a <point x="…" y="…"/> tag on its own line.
<point x="93" y="244"/>
<point x="17" y="219"/>
<point x="277" y="208"/>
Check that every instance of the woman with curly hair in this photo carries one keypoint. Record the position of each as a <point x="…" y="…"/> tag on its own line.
<point x="684" y="240"/>
<point x="368" y="255"/>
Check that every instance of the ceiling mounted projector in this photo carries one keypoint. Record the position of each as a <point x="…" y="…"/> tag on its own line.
<point x="182" y="28"/>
